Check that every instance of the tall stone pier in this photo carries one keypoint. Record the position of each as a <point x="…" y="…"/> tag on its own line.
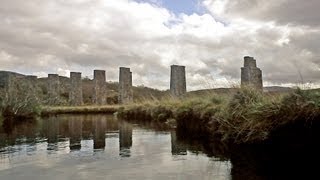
<point x="178" y="81"/>
<point x="125" y="86"/>
<point x="100" y="87"/>
<point x="75" y="94"/>
<point x="251" y="75"/>
<point x="53" y="89"/>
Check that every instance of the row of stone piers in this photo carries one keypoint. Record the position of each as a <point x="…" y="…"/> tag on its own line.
<point x="177" y="86"/>
<point x="100" y="88"/>
<point x="251" y="76"/>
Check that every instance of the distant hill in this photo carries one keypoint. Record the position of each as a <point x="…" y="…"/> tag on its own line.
<point x="277" y="89"/>
<point x="204" y="92"/>
<point x="269" y="89"/>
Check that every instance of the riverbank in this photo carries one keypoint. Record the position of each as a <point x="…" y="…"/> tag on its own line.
<point x="244" y="117"/>
<point x="51" y="110"/>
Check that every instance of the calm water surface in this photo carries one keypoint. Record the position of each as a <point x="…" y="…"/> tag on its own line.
<point x="100" y="147"/>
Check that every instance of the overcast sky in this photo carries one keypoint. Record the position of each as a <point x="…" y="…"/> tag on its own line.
<point x="209" y="37"/>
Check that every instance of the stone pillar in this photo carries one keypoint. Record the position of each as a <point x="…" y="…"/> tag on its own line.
<point x="100" y="87"/>
<point x="53" y="89"/>
<point x="251" y="75"/>
<point x="125" y="86"/>
<point x="131" y="89"/>
<point x="75" y="94"/>
<point x="178" y="81"/>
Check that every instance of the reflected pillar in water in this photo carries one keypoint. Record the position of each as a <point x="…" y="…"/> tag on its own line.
<point x="3" y="140"/>
<point x="99" y="129"/>
<point x="125" y="138"/>
<point x="51" y="130"/>
<point x="75" y="130"/>
<point x="87" y="127"/>
<point x="177" y="148"/>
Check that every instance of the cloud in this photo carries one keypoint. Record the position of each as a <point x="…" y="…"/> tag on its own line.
<point x="82" y="35"/>
<point x="294" y="12"/>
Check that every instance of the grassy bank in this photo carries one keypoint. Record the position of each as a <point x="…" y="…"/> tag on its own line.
<point x="50" y="110"/>
<point x="246" y="116"/>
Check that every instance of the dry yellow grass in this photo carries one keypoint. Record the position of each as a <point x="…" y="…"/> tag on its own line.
<point x="46" y="110"/>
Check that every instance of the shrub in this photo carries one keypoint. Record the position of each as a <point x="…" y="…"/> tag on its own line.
<point x="19" y="100"/>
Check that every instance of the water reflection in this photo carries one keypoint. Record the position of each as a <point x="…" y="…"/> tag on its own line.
<point x="177" y="147"/>
<point x="99" y="129"/>
<point x="125" y="138"/>
<point x="105" y="144"/>
<point x="51" y="132"/>
<point x="75" y="132"/>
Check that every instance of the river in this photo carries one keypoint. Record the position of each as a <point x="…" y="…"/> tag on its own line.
<point x="101" y="147"/>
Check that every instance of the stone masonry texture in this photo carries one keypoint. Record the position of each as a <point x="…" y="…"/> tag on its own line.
<point x="125" y="85"/>
<point x="178" y="81"/>
<point x="251" y="75"/>
<point x="75" y="94"/>
<point x="100" y="87"/>
<point x="53" y="89"/>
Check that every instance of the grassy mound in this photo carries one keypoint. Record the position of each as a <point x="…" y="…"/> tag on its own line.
<point x="247" y="116"/>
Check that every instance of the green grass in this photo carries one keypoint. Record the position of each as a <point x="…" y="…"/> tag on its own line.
<point x="247" y="116"/>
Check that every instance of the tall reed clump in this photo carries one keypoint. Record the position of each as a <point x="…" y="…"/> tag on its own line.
<point x="191" y="114"/>
<point x="148" y="111"/>
<point x="195" y="115"/>
<point x="251" y="116"/>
